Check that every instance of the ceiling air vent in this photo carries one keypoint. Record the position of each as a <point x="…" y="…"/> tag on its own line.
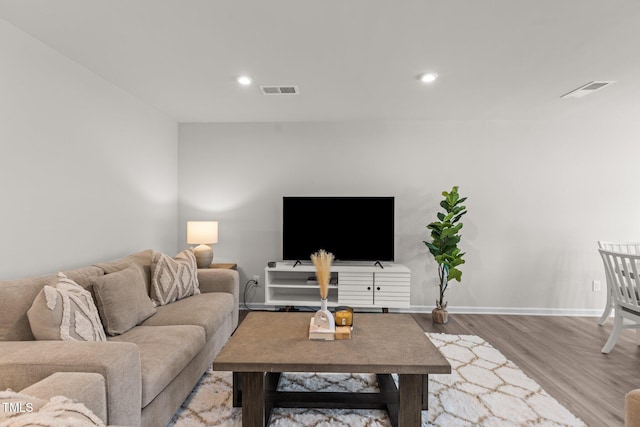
<point x="279" y="90"/>
<point x="587" y="89"/>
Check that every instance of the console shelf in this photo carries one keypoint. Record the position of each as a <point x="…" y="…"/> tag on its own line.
<point x="355" y="285"/>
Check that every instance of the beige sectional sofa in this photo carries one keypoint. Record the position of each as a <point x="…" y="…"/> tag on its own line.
<point x="149" y="369"/>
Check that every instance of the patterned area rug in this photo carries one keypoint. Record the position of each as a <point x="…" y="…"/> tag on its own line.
<point x="484" y="389"/>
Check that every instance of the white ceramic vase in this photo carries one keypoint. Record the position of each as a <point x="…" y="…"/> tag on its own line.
<point x="324" y="318"/>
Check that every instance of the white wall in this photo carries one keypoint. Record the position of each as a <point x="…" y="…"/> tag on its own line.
<point x="87" y="172"/>
<point x="540" y="195"/>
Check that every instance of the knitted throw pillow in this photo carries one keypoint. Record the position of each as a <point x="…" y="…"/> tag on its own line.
<point x="65" y="311"/>
<point x="173" y="278"/>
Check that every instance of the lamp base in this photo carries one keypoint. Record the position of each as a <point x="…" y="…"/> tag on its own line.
<point x="204" y="255"/>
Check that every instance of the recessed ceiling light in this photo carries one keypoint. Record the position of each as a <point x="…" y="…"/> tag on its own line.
<point x="245" y="80"/>
<point x="428" y="77"/>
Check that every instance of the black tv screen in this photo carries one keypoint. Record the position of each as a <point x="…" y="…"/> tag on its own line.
<point x="352" y="228"/>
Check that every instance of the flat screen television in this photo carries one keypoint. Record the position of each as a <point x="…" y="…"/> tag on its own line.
<point x="352" y="228"/>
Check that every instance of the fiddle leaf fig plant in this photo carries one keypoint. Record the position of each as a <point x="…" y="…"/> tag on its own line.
<point x="445" y="236"/>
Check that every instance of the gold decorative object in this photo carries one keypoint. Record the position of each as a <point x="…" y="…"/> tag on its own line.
<point x="344" y="318"/>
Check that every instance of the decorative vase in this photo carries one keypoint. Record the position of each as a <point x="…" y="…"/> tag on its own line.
<point x="323" y="317"/>
<point x="440" y="314"/>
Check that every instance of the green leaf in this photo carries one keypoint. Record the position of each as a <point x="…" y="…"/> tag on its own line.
<point x="457" y="218"/>
<point x="456" y="262"/>
<point x="454" y="274"/>
<point x="435" y="226"/>
<point x="452" y="199"/>
<point x="449" y="233"/>
<point x="431" y="246"/>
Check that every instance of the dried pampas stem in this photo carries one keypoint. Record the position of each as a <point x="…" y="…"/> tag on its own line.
<point x="322" y="260"/>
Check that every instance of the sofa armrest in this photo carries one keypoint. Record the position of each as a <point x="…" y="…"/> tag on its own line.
<point x="86" y="388"/>
<point x="221" y="280"/>
<point x="24" y="363"/>
<point x="632" y="409"/>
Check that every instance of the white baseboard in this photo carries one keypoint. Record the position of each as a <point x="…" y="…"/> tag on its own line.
<point x="517" y="311"/>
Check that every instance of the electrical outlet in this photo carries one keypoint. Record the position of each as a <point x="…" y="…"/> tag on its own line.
<point x="595" y="286"/>
<point x="256" y="279"/>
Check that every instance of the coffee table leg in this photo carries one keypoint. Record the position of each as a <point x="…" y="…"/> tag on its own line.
<point x="425" y="392"/>
<point x="237" y="389"/>
<point x="253" y="414"/>
<point x="410" y="400"/>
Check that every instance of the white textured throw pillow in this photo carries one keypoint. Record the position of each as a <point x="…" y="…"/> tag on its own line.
<point x="25" y="411"/>
<point x="173" y="278"/>
<point x="65" y="311"/>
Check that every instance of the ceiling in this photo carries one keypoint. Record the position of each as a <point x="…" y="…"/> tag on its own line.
<point x="352" y="59"/>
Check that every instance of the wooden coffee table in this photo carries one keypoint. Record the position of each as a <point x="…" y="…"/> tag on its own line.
<point x="269" y="343"/>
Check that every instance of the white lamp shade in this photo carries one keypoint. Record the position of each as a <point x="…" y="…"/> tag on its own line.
<point x="202" y="232"/>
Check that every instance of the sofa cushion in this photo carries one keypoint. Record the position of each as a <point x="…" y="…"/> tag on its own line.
<point x="141" y="259"/>
<point x="173" y="278"/>
<point x="122" y="299"/>
<point x="65" y="311"/>
<point x="208" y="310"/>
<point x="164" y="352"/>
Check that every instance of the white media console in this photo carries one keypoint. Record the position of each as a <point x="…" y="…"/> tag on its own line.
<point x="354" y="285"/>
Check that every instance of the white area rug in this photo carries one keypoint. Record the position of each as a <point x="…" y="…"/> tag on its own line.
<point x="484" y="389"/>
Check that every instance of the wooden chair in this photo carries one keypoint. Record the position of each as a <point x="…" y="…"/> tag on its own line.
<point x="623" y="276"/>
<point x="627" y="248"/>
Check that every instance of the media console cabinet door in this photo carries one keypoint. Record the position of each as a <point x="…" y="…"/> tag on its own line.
<point x="392" y="289"/>
<point x="355" y="289"/>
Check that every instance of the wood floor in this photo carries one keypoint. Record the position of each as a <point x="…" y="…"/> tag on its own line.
<point x="563" y="355"/>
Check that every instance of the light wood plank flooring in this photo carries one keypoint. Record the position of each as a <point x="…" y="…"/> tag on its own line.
<point x="563" y="355"/>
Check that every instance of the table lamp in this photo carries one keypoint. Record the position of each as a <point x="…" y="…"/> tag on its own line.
<point x="203" y="234"/>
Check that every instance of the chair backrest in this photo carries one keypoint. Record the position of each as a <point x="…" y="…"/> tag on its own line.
<point x="626" y="247"/>
<point x="623" y="276"/>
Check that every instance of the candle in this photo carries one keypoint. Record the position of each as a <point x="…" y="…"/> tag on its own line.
<point x="344" y="318"/>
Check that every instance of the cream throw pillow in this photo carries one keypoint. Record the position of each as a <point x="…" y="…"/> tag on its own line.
<point x="122" y="299"/>
<point x="65" y="311"/>
<point x="13" y="404"/>
<point x="22" y="410"/>
<point x="173" y="278"/>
